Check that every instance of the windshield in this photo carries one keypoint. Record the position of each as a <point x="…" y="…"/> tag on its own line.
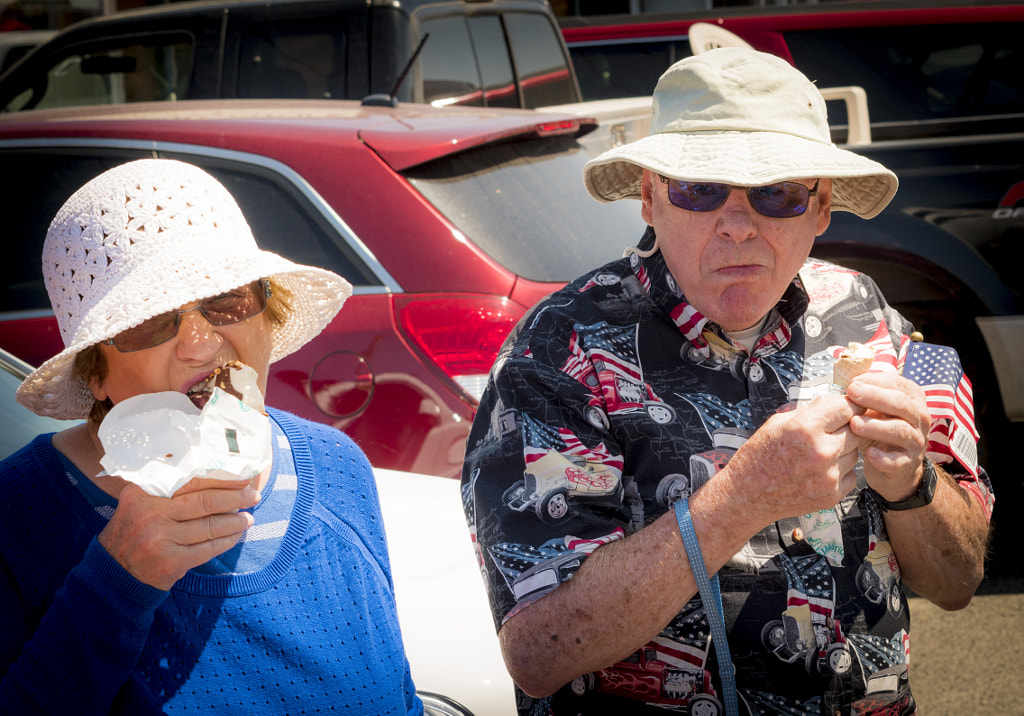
<point x="524" y="203"/>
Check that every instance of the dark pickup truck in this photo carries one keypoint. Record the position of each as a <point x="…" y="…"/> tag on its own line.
<point x="495" y="53"/>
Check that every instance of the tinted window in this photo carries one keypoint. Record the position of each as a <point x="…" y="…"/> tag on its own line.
<point x="447" y="63"/>
<point x="540" y="63"/>
<point x="28" y="209"/>
<point x="913" y="73"/>
<point x="525" y="205"/>
<point x="282" y="220"/>
<point x="304" y="60"/>
<point x="128" y="73"/>
<point x="629" y="69"/>
<point x="495" y="64"/>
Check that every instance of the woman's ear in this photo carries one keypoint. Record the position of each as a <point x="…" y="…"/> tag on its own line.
<point x="96" y="388"/>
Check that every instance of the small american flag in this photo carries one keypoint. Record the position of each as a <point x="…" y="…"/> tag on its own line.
<point x="950" y="400"/>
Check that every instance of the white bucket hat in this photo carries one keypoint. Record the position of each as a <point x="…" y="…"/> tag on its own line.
<point x="746" y="118"/>
<point x="145" y="238"/>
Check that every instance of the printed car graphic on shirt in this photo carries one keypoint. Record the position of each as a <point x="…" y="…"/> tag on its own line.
<point x="669" y="670"/>
<point x="604" y="358"/>
<point x="703" y="466"/>
<point x="883" y="667"/>
<point x="531" y="572"/>
<point x="807" y="629"/>
<point x="553" y="482"/>
<point x="643" y="675"/>
<point x="878" y="576"/>
<point x="561" y="471"/>
<point x="888" y="693"/>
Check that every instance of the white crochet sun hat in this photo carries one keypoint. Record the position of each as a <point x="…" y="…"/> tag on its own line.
<point x="148" y="237"/>
<point x="746" y="118"/>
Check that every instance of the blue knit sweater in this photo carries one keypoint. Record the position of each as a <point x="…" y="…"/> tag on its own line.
<point x="314" y="631"/>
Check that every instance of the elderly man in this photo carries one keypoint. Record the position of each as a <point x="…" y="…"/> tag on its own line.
<point x="673" y="415"/>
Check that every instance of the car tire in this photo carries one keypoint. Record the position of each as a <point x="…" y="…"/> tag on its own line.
<point x="553" y="507"/>
<point x="597" y="417"/>
<point x="582" y="685"/>
<point x="811" y="661"/>
<point x="773" y="636"/>
<point x="705" y="705"/>
<point x="660" y="413"/>
<point x="895" y="597"/>
<point x="672" y="487"/>
<point x="839" y="659"/>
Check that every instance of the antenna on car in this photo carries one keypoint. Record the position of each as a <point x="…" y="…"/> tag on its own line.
<point x="389" y="100"/>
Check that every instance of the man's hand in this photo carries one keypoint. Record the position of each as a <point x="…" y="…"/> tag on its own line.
<point x="895" y="425"/>
<point x="941" y="547"/>
<point x="158" y="539"/>
<point x="799" y="461"/>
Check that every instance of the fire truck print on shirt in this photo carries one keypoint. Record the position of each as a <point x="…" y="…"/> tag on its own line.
<point x="613" y="399"/>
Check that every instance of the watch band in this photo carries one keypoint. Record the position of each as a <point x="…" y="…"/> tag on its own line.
<point x="923" y="497"/>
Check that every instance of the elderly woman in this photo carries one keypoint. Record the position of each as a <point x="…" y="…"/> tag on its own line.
<point x="271" y="595"/>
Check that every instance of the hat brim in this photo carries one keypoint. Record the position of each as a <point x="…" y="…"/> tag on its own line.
<point x="860" y="185"/>
<point x="317" y="295"/>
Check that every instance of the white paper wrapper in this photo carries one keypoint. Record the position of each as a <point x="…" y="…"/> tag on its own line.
<point x="824" y="533"/>
<point x="160" y="441"/>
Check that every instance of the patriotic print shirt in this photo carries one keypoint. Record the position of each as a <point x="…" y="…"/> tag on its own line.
<point x="612" y="399"/>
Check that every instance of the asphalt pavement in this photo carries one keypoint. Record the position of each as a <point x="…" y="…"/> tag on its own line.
<point x="970" y="662"/>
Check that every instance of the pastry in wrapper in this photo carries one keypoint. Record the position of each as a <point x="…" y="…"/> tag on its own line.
<point x="234" y="378"/>
<point x="855" y="359"/>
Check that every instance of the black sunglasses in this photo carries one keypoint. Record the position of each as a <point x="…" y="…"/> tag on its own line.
<point x="779" y="201"/>
<point x="230" y="307"/>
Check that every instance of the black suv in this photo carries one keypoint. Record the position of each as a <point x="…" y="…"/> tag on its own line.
<point x="497" y="53"/>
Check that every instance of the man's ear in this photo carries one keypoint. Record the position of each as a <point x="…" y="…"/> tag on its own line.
<point x="824" y="197"/>
<point x="647" y="197"/>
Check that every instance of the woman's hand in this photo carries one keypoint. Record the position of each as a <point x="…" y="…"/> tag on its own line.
<point x="158" y="539"/>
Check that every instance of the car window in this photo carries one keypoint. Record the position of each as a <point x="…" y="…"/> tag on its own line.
<point x="920" y="73"/>
<point x="301" y="60"/>
<point x="45" y="180"/>
<point x="495" y="64"/>
<point x="542" y="67"/>
<point x="447" y="63"/>
<point x="626" y="69"/>
<point x="282" y="219"/>
<point x="159" y="70"/>
<point x="525" y="205"/>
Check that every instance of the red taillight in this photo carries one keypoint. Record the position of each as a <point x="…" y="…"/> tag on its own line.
<point x="561" y="126"/>
<point x="459" y="333"/>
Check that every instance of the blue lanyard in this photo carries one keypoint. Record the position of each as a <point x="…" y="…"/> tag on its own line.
<point x="711" y="597"/>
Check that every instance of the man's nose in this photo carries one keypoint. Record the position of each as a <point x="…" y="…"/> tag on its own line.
<point x="736" y="217"/>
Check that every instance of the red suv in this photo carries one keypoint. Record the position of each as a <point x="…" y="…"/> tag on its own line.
<point x="449" y="222"/>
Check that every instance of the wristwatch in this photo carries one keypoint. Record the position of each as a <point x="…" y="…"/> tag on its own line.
<point x="923" y="497"/>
